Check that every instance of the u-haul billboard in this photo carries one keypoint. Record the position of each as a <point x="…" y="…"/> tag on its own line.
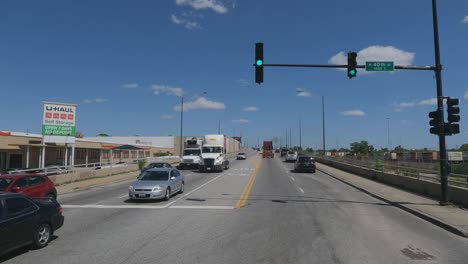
<point x="58" y="119"/>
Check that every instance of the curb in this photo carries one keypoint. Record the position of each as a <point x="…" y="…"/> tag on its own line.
<point x="433" y="220"/>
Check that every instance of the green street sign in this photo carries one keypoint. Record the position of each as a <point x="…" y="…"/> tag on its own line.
<point x="54" y="130"/>
<point x="379" y="66"/>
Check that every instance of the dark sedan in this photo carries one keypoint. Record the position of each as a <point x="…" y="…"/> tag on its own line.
<point x="304" y="163"/>
<point x="25" y="221"/>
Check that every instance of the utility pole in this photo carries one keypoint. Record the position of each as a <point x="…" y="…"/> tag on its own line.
<point x="323" y="124"/>
<point x="287" y="138"/>
<point x="440" y="108"/>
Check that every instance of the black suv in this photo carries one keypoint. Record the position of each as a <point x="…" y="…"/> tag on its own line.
<point x="304" y="163"/>
<point x="283" y="152"/>
<point x="25" y="221"/>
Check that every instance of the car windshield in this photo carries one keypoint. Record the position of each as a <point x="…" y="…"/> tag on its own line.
<point x="305" y="159"/>
<point x="211" y="149"/>
<point x="192" y="152"/>
<point x="156" y="165"/>
<point x="291" y="152"/>
<point x="4" y="183"/>
<point x="154" y="176"/>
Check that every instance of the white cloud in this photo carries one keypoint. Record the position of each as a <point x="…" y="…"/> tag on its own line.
<point x="302" y="92"/>
<point x="166" y="117"/>
<point x="376" y="53"/>
<point x="200" y="103"/>
<point x="244" y="82"/>
<point x="189" y="24"/>
<point x="96" y="100"/>
<point x="353" y="113"/>
<point x="241" y="120"/>
<point x="250" y="109"/>
<point x="176" y="20"/>
<point x="465" y="19"/>
<point x="214" y="5"/>
<point x="407" y="104"/>
<point x="130" y="85"/>
<point x="466" y="95"/>
<point x="432" y="101"/>
<point x="166" y="89"/>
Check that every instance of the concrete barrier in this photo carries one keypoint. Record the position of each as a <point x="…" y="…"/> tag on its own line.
<point x="457" y="195"/>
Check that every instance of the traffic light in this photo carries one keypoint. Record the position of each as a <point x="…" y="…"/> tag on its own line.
<point x="352" y="64"/>
<point x="453" y="115"/>
<point x="258" y="62"/>
<point x="434" y="122"/>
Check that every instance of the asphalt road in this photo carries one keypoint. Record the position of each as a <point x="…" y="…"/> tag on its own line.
<point x="256" y="212"/>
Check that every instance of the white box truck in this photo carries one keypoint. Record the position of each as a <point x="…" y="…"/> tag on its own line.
<point x="191" y="156"/>
<point x="214" y="154"/>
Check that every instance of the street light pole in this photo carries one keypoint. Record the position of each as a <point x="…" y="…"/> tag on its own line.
<point x="388" y="133"/>
<point x="181" y="124"/>
<point x="300" y="135"/>
<point x="323" y="124"/>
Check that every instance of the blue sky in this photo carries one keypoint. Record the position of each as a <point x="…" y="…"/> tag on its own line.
<point x="126" y="63"/>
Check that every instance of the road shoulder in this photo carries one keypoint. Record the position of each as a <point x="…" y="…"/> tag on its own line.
<point x="451" y="218"/>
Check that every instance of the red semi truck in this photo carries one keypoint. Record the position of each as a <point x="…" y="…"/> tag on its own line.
<point x="268" y="149"/>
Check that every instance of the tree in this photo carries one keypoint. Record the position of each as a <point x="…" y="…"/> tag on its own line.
<point x="362" y="147"/>
<point x="79" y="134"/>
<point x="103" y="135"/>
<point x="400" y="149"/>
<point x="464" y="147"/>
<point x="309" y="150"/>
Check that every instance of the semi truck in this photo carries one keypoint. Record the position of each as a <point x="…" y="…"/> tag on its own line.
<point x="268" y="149"/>
<point x="191" y="156"/>
<point x="214" y="154"/>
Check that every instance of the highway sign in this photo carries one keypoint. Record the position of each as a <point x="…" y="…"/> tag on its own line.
<point x="379" y="66"/>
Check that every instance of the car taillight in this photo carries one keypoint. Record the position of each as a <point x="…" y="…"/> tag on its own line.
<point x="60" y="210"/>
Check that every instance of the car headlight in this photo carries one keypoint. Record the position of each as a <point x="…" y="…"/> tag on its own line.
<point x="157" y="188"/>
<point x="131" y="188"/>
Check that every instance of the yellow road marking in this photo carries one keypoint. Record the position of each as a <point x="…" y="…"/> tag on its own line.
<point x="245" y="193"/>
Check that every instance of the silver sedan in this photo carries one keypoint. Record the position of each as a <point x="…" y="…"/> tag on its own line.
<point x="157" y="183"/>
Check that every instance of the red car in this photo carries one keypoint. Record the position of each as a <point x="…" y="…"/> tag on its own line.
<point x="32" y="185"/>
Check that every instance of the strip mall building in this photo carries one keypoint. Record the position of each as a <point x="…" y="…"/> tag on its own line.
<point x="20" y="150"/>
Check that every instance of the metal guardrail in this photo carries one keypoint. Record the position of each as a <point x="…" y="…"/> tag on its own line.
<point x="418" y="173"/>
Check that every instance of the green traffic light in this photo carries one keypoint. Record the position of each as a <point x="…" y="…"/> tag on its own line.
<point x="352" y="72"/>
<point x="259" y="62"/>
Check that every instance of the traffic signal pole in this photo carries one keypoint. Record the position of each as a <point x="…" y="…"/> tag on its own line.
<point x="439" y="128"/>
<point x="440" y="108"/>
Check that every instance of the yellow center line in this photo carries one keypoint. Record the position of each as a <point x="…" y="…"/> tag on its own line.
<point x="245" y="193"/>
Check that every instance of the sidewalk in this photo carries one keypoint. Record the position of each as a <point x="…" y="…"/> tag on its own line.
<point x="93" y="182"/>
<point x="451" y="218"/>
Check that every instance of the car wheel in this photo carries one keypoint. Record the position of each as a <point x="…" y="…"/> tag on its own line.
<point x="227" y="166"/>
<point x="168" y="194"/>
<point x="42" y="236"/>
<point x="51" y="196"/>
<point x="182" y="188"/>
<point x="313" y="171"/>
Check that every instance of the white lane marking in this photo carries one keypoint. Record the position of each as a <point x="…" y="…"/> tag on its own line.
<point x="196" y="189"/>
<point x="102" y="206"/>
<point x="123" y="196"/>
<point x="201" y="207"/>
<point x="292" y="178"/>
<point x="300" y="189"/>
